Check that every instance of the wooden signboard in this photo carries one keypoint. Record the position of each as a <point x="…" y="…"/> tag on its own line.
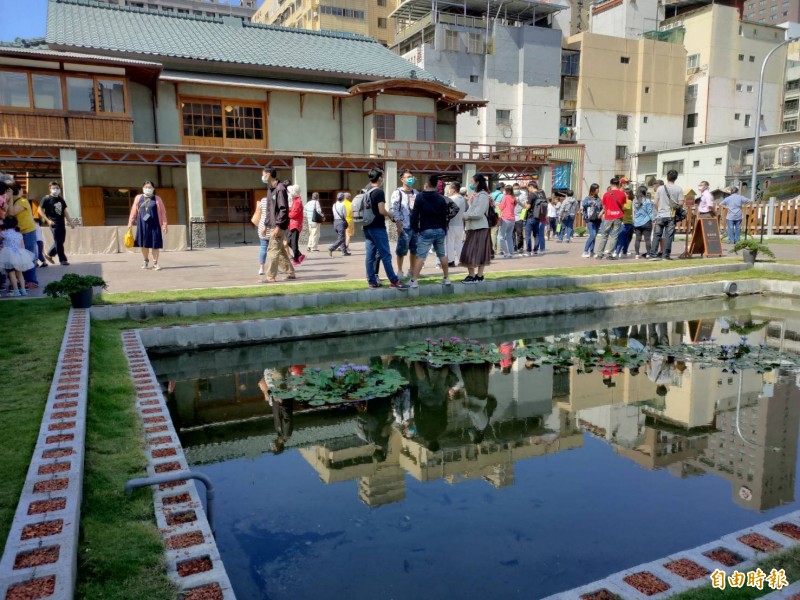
<point x="705" y="238"/>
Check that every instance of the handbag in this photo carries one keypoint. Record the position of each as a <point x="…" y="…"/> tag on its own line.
<point x="315" y="216"/>
<point x="491" y="215"/>
<point x="129" y="239"/>
<point x="680" y="212"/>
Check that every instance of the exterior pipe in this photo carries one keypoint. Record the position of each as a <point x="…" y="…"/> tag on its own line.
<point x="140" y="482"/>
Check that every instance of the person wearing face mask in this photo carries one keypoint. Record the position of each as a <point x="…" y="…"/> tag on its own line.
<point x="53" y="208"/>
<point x="150" y="217"/>
<point x="402" y="203"/>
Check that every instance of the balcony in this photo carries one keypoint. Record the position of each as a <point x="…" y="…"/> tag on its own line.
<point x="24" y="125"/>
<point x="415" y="150"/>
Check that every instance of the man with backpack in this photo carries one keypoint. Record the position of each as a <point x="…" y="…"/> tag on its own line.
<point x="402" y="202"/>
<point x="537" y="214"/>
<point x="668" y="197"/>
<point x="374" y="212"/>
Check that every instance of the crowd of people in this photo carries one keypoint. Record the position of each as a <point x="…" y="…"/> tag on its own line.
<point x="471" y="226"/>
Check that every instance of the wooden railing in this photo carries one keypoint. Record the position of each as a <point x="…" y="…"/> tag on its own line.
<point x="29" y="126"/>
<point x="412" y="149"/>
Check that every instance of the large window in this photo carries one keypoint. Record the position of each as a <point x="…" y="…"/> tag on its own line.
<point x="451" y="40"/>
<point x="673" y="165"/>
<point x="117" y="205"/>
<point x="14" y="90"/>
<point x="474" y="43"/>
<point x="227" y="205"/>
<point x="426" y="127"/>
<point x="47" y="92"/>
<point x="100" y="95"/>
<point x="791" y="105"/>
<point x="342" y="12"/>
<point x="222" y="119"/>
<point x="44" y="92"/>
<point x="384" y="126"/>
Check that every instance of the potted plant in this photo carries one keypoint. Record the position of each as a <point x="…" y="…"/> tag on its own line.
<point x="79" y="288"/>
<point x="750" y="249"/>
<point x="581" y="231"/>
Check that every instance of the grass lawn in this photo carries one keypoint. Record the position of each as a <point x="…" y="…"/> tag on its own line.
<point x="31" y="341"/>
<point x="788" y="560"/>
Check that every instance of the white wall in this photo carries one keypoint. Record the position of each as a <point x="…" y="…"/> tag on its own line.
<point x="706" y="170"/>
<point x="629" y="19"/>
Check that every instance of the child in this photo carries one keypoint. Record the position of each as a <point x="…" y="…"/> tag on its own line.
<point x="14" y="258"/>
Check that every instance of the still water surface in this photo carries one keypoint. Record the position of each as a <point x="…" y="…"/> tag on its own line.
<point x="499" y="482"/>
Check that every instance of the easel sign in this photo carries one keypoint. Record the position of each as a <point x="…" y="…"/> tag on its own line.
<point x="705" y="238"/>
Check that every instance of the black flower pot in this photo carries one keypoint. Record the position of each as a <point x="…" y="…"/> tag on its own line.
<point x="82" y="299"/>
<point x="749" y="256"/>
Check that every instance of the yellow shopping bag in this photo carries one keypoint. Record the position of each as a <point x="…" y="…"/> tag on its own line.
<point x="129" y="238"/>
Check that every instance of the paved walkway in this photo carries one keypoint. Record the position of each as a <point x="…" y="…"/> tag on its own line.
<point x="238" y="266"/>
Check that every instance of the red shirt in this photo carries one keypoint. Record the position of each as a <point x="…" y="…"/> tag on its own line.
<point x="296" y="214"/>
<point x="613" y="202"/>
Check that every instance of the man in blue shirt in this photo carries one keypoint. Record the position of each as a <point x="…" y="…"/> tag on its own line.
<point x="734" y="204"/>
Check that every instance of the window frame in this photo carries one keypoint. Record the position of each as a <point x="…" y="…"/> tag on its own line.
<point x="426" y="122"/>
<point x="693" y="58"/>
<point x="387" y="117"/>
<point x="234" y="217"/>
<point x="620" y="152"/>
<point x="94" y="79"/>
<point x="198" y="140"/>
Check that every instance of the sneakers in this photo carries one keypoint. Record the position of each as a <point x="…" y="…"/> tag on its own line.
<point x="42" y="265"/>
<point x="478" y="278"/>
<point x="145" y="264"/>
<point x="469" y="279"/>
<point x="330" y="252"/>
<point x="344" y="254"/>
<point x="399" y="285"/>
<point x="14" y="294"/>
<point x="65" y="263"/>
<point x="156" y="267"/>
<point x="446" y="281"/>
<point x="23" y="292"/>
<point x="612" y="256"/>
<point x="586" y="255"/>
<point x="653" y="258"/>
<point x="261" y="272"/>
<point x="413" y="284"/>
<point x="301" y="259"/>
<point x="375" y="286"/>
<point x="295" y="262"/>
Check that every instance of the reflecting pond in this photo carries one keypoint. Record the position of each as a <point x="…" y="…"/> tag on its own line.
<point x="507" y="480"/>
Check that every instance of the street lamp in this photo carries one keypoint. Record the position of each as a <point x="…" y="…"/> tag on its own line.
<point x="758" y="113"/>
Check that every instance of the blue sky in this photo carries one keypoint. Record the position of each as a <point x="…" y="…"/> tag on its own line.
<point x="23" y="18"/>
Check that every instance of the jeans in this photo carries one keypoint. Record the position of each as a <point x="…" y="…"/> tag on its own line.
<point x="553" y="225"/>
<point x="566" y="228"/>
<point x="646" y="232"/>
<point x="262" y="254"/>
<point x="507" y="237"/>
<point x="594" y="229"/>
<point x="531" y="229"/>
<point x="40" y="251"/>
<point x="406" y="242"/>
<point x="664" y="227"/>
<point x="610" y="231"/>
<point x="519" y="235"/>
<point x="541" y="228"/>
<point x="341" y="228"/>
<point x="624" y="239"/>
<point x="377" y="245"/>
<point x="59" y="235"/>
<point x="431" y="238"/>
<point x="734" y="231"/>
<point x="29" y="239"/>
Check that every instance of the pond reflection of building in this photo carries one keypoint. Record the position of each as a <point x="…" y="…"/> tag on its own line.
<point x="524" y="424"/>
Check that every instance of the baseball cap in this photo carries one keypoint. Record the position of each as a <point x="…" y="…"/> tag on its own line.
<point x="340" y="196"/>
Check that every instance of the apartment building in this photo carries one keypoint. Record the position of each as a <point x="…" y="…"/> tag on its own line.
<point x="365" y="17"/>
<point x="626" y="18"/>
<point x="198" y="8"/>
<point x="723" y="63"/>
<point x="512" y="61"/>
<point x="771" y="12"/>
<point x="620" y="97"/>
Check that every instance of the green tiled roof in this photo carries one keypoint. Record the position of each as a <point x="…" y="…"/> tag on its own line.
<point x="73" y="24"/>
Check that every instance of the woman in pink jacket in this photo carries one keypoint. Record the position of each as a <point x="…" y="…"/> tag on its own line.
<point x="295" y="223"/>
<point x="150" y="217"/>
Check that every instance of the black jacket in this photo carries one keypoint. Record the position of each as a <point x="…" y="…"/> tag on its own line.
<point x="430" y="212"/>
<point x="277" y="208"/>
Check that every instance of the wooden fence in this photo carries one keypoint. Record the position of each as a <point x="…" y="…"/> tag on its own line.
<point x="786" y="219"/>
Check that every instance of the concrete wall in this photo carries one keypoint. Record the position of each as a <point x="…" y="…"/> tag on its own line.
<point x="522" y="75"/>
<point x="629" y="19"/>
<point x="705" y="155"/>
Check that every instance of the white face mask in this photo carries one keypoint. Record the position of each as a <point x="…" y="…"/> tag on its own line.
<point x="264" y="179"/>
<point x="55" y="192"/>
<point x="148" y="191"/>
